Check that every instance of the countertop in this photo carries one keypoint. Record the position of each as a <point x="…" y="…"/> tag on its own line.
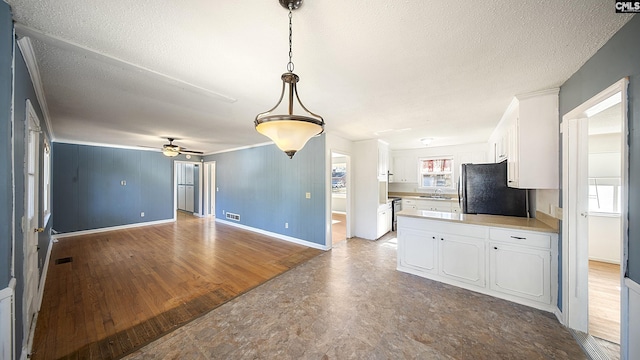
<point x="512" y="222"/>
<point x="445" y="197"/>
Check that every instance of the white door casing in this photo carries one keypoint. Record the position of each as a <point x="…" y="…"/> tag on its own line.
<point x="575" y="226"/>
<point x="31" y="222"/>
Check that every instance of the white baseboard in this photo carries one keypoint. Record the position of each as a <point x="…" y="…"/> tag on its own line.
<point x="276" y="235"/>
<point x="120" y="227"/>
<point x="45" y="270"/>
<point x="632" y="285"/>
<point x="560" y="316"/>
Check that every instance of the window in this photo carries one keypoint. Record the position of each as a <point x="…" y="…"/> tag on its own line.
<point x="339" y="178"/>
<point x="436" y="173"/>
<point x="46" y="182"/>
<point x="605" y="195"/>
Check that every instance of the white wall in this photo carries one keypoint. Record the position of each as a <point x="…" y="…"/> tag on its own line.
<point x="476" y="153"/>
<point x="604" y="238"/>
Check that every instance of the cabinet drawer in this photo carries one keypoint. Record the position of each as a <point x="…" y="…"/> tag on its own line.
<point x="521" y="237"/>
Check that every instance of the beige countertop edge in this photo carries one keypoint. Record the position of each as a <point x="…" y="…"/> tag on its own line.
<point x="422" y="197"/>
<point x="511" y="222"/>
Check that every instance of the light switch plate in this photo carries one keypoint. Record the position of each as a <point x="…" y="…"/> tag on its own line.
<point x="308" y="195"/>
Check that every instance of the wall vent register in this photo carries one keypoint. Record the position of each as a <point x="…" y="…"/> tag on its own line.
<point x="232" y="216"/>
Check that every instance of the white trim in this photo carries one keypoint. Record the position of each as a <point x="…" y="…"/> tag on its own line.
<point x="569" y="260"/>
<point x="29" y="57"/>
<point x="632" y="285"/>
<point x="7" y="321"/>
<point x="111" y="228"/>
<point x="275" y="235"/>
<point x="68" y="45"/>
<point x="240" y="148"/>
<point x="90" y="143"/>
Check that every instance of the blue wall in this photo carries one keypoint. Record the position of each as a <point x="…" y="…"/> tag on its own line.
<point x="268" y="189"/>
<point x="618" y="58"/>
<point x="6" y="56"/>
<point x="87" y="193"/>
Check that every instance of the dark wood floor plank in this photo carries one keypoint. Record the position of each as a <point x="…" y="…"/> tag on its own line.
<point x="125" y="288"/>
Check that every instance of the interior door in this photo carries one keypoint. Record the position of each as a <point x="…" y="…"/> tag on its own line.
<point x="32" y="185"/>
<point x="576" y="156"/>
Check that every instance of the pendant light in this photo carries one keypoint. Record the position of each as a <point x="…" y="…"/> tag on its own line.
<point x="289" y="131"/>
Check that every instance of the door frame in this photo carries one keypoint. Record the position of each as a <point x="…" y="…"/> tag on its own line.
<point x="349" y="208"/>
<point x="175" y="187"/>
<point x="209" y="187"/>
<point x="30" y="228"/>
<point x="575" y="286"/>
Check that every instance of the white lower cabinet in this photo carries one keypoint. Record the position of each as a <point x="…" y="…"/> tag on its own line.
<point x="421" y="250"/>
<point x="516" y="265"/>
<point x="520" y="271"/>
<point x="462" y="259"/>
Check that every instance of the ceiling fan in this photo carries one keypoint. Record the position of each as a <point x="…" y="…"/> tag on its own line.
<point x="172" y="150"/>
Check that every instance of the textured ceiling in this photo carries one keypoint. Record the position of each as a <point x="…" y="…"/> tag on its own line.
<point x="131" y="72"/>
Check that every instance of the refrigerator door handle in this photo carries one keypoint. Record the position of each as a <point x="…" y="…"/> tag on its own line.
<point x="459" y="194"/>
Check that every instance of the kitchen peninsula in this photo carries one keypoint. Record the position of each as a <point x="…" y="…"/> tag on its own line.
<point x="503" y="256"/>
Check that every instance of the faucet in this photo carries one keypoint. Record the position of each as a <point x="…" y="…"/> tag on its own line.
<point x="437" y="193"/>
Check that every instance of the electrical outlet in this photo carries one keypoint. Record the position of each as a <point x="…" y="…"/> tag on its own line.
<point x="308" y="195"/>
<point x="286" y="225"/>
<point x="142" y="214"/>
<point x="217" y="189"/>
<point x="224" y="212"/>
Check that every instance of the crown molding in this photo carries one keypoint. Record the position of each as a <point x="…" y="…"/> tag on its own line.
<point x="29" y="57"/>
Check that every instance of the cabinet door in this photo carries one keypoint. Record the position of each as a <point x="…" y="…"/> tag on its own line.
<point x="188" y="174"/>
<point x="181" y="197"/>
<point x="520" y="271"/>
<point x="462" y="259"/>
<point x="383" y="225"/>
<point x="418" y="250"/>
<point x="189" y="200"/>
<point x="513" y="155"/>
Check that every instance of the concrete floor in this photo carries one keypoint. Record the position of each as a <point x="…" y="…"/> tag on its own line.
<point x="351" y="303"/>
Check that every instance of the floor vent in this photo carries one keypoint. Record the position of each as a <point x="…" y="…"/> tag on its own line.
<point x="232" y="216"/>
<point x="589" y="345"/>
<point x="64" y="260"/>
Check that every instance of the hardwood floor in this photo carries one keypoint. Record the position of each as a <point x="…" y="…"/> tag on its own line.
<point x="604" y="301"/>
<point x="339" y="227"/>
<point x="125" y="288"/>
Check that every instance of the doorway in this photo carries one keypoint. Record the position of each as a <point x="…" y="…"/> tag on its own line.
<point x="340" y="197"/>
<point x="595" y="216"/>
<point x="32" y="219"/>
<point x="209" y="186"/>
<point x="187" y="189"/>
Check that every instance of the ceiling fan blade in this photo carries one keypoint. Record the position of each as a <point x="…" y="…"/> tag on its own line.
<point x="183" y="151"/>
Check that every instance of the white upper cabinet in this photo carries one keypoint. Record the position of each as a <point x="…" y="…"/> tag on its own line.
<point x="405" y="169"/>
<point x="527" y="137"/>
<point x="383" y="161"/>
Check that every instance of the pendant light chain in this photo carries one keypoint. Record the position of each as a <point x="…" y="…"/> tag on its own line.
<point x="290" y="64"/>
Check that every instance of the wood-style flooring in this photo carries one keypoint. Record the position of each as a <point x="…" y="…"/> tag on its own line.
<point x="604" y="301"/>
<point x="338" y="227"/>
<point x="122" y="289"/>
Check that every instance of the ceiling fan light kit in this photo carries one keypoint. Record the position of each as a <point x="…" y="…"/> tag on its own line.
<point x="172" y="150"/>
<point x="289" y="131"/>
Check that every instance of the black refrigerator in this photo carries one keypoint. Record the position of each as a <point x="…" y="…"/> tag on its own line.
<point x="483" y="190"/>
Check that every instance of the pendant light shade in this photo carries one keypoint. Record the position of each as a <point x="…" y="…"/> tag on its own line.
<point x="289" y="131"/>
